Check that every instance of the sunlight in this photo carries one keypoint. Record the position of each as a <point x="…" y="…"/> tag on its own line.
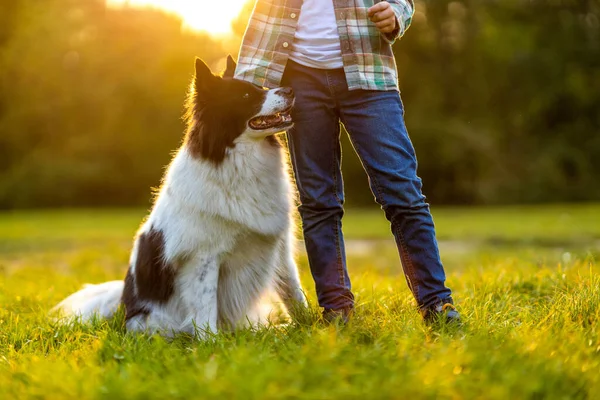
<point x="200" y="15"/>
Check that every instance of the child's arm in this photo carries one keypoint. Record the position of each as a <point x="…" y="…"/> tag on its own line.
<point x="392" y="17"/>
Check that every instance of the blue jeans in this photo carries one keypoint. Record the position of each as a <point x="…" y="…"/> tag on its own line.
<point x="375" y="123"/>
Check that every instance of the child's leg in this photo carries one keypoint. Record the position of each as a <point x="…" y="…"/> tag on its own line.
<point x="375" y="123"/>
<point x="315" y="152"/>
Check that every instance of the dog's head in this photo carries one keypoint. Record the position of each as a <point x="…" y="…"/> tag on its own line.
<point x="223" y="111"/>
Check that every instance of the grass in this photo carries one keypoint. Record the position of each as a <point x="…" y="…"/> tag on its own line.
<point x="525" y="279"/>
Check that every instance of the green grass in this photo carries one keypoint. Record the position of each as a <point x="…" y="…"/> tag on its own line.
<point x="525" y="279"/>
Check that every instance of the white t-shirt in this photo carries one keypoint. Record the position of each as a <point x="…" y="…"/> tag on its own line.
<point x="317" y="42"/>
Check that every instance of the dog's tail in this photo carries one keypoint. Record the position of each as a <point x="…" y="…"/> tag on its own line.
<point x="100" y="300"/>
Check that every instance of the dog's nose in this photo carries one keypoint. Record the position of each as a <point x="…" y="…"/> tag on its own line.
<point x="286" y="91"/>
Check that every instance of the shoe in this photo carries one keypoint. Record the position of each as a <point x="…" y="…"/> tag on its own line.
<point x="341" y="315"/>
<point x="444" y="313"/>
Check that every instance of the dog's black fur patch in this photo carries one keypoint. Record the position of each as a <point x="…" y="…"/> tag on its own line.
<point x="133" y="305"/>
<point x="154" y="277"/>
<point x="218" y="111"/>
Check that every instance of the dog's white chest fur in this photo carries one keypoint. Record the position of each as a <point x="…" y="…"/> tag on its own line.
<point x="214" y="209"/>
<point x="250" y="189"/>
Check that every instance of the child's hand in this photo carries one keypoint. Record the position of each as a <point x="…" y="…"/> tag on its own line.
<point x="383" y="16"/>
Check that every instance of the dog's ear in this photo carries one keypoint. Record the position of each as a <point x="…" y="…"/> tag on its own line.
<point x="230" y="71"/>
<point x="204" y="80"/>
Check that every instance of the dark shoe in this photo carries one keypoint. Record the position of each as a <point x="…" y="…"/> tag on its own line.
<point x="443" y="313"/>
<point x="341" y="316"/>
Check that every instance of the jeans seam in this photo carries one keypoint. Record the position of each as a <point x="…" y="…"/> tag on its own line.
<point x="329" y="87"/>
<point x="334" y="170"/>
<point x="340" y="266"/>
<point x="410" y="267"/>
<point x="410" y="271"/>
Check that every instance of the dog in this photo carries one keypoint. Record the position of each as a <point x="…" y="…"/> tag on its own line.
<point x="220" y="234"/>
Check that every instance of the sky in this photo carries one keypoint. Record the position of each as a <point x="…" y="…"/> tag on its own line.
<point x="209" y="16"/>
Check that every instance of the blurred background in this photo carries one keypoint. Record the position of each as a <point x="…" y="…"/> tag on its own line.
<point x="502" y="98"/>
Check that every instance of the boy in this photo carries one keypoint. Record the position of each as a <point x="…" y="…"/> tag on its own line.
<point x="337" y="57"/>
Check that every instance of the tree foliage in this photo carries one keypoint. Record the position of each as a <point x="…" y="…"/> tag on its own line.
<point x="503" y="99"/>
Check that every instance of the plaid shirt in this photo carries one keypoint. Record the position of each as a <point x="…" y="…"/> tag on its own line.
<point x="366" y="53"/>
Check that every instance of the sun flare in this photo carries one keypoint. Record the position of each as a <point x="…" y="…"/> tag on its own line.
<point x="200" y="15"/>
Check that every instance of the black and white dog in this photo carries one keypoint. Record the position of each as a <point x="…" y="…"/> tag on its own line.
<point x="220" y="234"/>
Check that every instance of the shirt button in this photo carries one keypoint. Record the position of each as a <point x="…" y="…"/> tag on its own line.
<point x="293" y="15"/>
<point x="286" y="44"/>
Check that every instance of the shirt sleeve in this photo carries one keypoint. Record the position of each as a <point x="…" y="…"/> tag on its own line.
<point x="404" y="10"/>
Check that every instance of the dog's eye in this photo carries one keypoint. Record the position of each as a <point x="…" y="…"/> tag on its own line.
<point x="246" y="96"/>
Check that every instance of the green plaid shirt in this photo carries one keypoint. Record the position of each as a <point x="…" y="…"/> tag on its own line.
<point x="366" y="53"/>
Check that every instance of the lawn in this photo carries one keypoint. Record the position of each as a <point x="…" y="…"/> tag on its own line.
<point x="525" y="280"/>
